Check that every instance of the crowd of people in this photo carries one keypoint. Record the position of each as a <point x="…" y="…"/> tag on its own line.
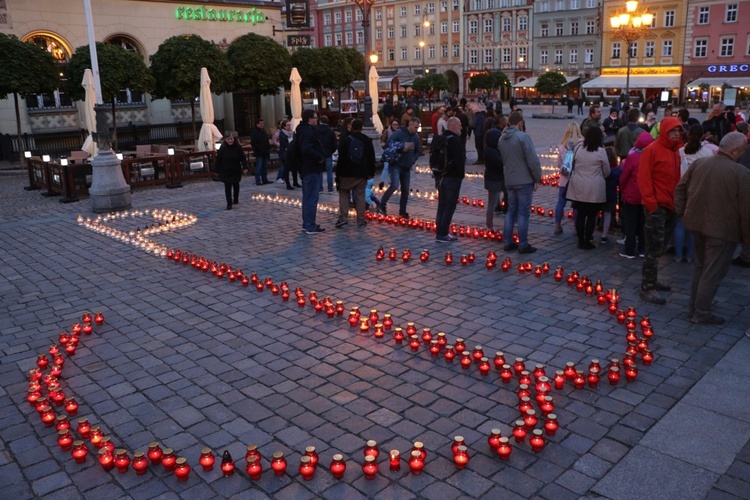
<point x="682" y="184"/>
<point x="677" y="182"/>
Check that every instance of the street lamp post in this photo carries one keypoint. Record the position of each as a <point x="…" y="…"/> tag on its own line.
<point x="629" y="26"/>
<point x="365" y="6"/>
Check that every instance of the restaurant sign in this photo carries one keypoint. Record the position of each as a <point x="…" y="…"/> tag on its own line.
<point x="205" y="13"/>
<point x="729" y="68"/>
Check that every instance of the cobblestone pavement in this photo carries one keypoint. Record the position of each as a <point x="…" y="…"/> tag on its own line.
<point x="192" y="361"/>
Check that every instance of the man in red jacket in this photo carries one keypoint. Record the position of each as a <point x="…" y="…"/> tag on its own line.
<point x="658" y="175"/>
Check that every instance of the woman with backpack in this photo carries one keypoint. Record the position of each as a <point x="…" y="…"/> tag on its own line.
<point x="570" y="139"/>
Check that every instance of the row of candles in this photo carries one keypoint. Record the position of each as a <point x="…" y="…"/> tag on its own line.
<point x="440" y="344"/>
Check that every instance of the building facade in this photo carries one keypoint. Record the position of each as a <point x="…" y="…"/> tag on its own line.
<point x="655" y="57"/>
<point x="567" y="39"/>
<point x="141" y="26"/>
<point x="498" y="37"/>
<point x="717" y="52"/>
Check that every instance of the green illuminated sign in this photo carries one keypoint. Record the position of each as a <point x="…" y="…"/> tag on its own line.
<point x="252" y="16"/>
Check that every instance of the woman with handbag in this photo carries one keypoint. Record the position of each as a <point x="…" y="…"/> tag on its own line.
<point x="570" y="139"/>
<point x="587" y="185"/>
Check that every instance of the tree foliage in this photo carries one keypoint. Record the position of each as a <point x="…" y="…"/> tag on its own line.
<point x="26" y="67"/>
<point x="489" y="81"/>
<point x="431" y="83"/>
<point x="260" y="64"/>
<point x="551" y="83"/>
<point x="119" y="69"/>
<point x="176" y="68"/>
<point x="324" y="67"/>
<point x="357" y="64"/>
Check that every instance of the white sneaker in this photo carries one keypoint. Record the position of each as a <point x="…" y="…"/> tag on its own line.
<point x="280" y="181"/>
<point x="621" y="241"/>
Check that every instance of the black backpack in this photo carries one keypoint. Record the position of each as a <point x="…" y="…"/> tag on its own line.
<point x="356" y="151"/>
<point x="439" y="155"/>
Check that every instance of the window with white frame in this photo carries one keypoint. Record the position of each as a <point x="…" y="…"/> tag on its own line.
<point x="430" y="8"/>
<point x="327" y="19"/>
<point x="431" y="29"/>
<point x="726" y="48"/>
<point x="703" y="14"/>
<point x="589" y="56"/>
<point x="390" y="33"/>
<point x="327" y="40"/>
<point x="731" y="13"/>
<point x="378" y="14"/>
<point x="545" y="29"/>
<point x="358" y="15"/>
<point x="590" y="4"/>
<point x="544" y="7"/>
<point x="389" y="13"/>
<point x="417" y="30"/>
<point x="488" y="56"/>
<point x="616" y="50"/>
<point x="506" y="55"/>
<point x="574" y="4"/>
<point x="456" y="50"/>
<point x="443" y="6"/>
<point x="404" y="54"/>
<point x="488" y="25"/>
<point x="701" y="48"/>
<point x="559" y="5"/>
<point x="472" y="27"/>
<point x="348" y="16"/>
<point x="337" y="17"/>
<point x="559" y="28"/>
<point x="349" y="38"/>
<point x="634" y="49"/>
<point x="391" y="55"/>
<point x="669" y="19"/>
<point x="417" y="10"/>
<point x="492" y="4"/>
<point x="523" y="23"/>
<point x="403" y="11"/>
<point x="650" y="48"/>
<point x="522" y="54"/>
<point x="338" y="39"/>
<point x="543" y="57"/>
<point x="456" y="6"/>
<point x="574" y="27"/>
<point x="431" y="52"/>
<point x="443" y="27"/>
<point x="590" y="27"/>
<point x="444" y="50"/>
<point x="666" y="48"/>
<point x="360" y="37"/>
<point x="477" y="4"/>
<point x="378" y="34"/>
<point x="473" y="56"/>
<point x="558" y="56"/>
<point x="403" y="32"/>
<point x="573" y="56"/>
<point x="418" y="53"/>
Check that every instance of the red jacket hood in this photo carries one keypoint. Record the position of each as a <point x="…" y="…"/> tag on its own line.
<point x="667" y="124"/>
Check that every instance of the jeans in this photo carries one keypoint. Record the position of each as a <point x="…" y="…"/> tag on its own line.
<point x="261" y="169"/>
<point x="519" y="209"/>
<point x="310" y="195"/>
<point x="681" y="238"/>
<point x="384" y="174"/>
<point x="633" y="220"/>
<point x="399" y="175"/>
<point x="493" y="197"/>
<point x="560" y="207"/>
<point x="329" y="170"/>
<point x="448" y="189"/>
<point x="280" y="173"/>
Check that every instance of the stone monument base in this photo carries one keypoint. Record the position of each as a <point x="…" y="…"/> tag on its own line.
<point x="108" y="192"/>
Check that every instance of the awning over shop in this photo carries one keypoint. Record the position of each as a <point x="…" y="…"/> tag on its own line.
<point x="531" y="82"/>
<point x="717" y="81"/>
<point x="384" y="83"/>
<point x="636" y="82"/>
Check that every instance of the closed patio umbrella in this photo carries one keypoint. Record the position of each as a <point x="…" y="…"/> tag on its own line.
<point x="296" y="98"/>
<point x="89" y="116"/>
<point x="209" y="134"/>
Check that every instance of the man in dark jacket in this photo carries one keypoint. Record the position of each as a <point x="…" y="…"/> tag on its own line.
<point x="464" y="123"/>
<point x="327" y="138"/>
<point x="449" y="185"/>
<point x="388" y="110"/>
<point x="356" y="165"/>
<point x="478" y="125"/>
<point x="313" y="165"/>
<point x="401" y="171"/>
<point x="261" y="151"/>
